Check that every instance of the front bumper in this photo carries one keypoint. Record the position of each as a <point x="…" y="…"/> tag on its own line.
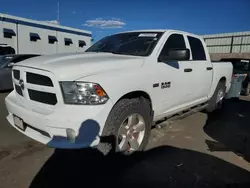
<point x="50" y="129"/>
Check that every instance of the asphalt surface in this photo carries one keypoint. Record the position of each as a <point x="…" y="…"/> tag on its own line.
<point x="198" y="151"/>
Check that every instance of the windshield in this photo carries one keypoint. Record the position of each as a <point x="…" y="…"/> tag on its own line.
<point x="133" y="43"/>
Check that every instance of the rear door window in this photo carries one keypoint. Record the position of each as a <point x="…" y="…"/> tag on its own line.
<point x="197" y="48"/>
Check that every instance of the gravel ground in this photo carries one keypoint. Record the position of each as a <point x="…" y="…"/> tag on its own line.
<point x="198" y="151"/>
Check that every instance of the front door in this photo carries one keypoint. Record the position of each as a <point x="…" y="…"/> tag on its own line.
<point x="176" y="77"/>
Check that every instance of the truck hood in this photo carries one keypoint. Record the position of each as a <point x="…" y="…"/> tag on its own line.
<point x="76" y="66"/>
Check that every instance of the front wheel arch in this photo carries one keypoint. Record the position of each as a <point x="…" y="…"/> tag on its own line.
<point x="137" y="94"/>
<point x="123" y="108"/>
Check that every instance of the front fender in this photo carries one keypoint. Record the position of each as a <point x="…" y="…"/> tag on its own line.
<point x="117" y="84"/>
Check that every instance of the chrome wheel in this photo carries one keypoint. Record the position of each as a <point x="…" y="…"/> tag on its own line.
<point x="220" y="96"/>
<point x="131" y="133"/>
<point x="219" y="99"/>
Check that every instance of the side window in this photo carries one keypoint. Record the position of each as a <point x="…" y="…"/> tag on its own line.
<point x="197" y="48"/>
<point x="52" y="39"/>
<point x="81" y="43"/>
<point x="68" y="41"/>
<point x="8" y="33"/>
<point x="174" y="41"/>
<point x="7" y="50"/>
<point x="34" y="37"/>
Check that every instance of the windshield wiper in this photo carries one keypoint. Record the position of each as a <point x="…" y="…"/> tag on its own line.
<point x="115" y="52"/>
<point x="112" y="52"/>
<point x="122" y="53"/>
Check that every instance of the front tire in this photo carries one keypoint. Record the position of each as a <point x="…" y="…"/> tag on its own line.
<point x="216" y="102"/>
<point x="127" y="127"/>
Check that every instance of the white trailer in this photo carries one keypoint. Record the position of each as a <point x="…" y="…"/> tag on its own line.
<point x="28" y="36"/>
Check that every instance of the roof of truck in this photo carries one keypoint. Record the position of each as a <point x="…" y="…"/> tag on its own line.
<point x="151" y="30"/>
<point x="160" y="30"/>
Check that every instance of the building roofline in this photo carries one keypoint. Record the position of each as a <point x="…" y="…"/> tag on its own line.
<point x="227" y="34"/>
<point x="43" y="25"/>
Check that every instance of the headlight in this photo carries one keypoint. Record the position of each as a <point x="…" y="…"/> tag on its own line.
<point x="83" y="93"/>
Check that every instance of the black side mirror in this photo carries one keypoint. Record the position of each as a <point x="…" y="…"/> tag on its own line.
<point x="176" y="54"/>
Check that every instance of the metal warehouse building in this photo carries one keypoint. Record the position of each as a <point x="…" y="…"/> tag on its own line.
<point x="229" y="45"/>
<point x="36" y="37"/>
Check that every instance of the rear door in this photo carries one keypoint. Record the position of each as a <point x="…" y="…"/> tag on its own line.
<point x="202" y="71"/>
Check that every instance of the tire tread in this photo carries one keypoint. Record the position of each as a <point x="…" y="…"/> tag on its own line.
<point x="121" y="107"/>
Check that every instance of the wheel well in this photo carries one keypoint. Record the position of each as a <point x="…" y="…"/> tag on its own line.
<point x="137" y="94"/>
<point x="223" y="80"/>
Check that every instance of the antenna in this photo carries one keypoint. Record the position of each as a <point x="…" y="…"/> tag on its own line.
<point x="58" y="12"/>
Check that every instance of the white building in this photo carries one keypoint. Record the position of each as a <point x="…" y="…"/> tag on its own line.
<point x="36" y="37"/>
<point x="238" y="42"/>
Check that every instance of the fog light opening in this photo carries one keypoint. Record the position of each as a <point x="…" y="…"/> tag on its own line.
<point x="71" y="135"/>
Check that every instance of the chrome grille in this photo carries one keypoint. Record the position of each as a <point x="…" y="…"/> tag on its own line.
<point x="18" y="90"/>
<point x="38" y="79"/>
<point x="16" y="74"/>
<point x="42" y="97"/>
<point x="34" y="86"/>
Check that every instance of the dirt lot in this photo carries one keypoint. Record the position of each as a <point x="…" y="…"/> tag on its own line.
<point x="198" y="151"/>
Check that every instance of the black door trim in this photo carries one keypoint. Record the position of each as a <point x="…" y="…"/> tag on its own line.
<point x="209" y="68"/>
<point x="188" y="70"/>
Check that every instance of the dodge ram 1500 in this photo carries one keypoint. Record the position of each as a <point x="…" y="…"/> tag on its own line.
<point x="109" y="96"/>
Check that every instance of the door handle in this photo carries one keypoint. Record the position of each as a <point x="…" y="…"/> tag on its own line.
<point x="188" y="70"/>
<point x="209" y="68"/>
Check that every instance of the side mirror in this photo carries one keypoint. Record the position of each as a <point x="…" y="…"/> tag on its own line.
<point x="10" y="65"/>
<point x="176" y="55"/>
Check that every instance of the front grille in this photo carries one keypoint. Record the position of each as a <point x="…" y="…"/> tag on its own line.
<point x="43" y="97"/>
<point x="18" y="90"/>
<point x="16" y="74"/>
<point x="38" y="79"/>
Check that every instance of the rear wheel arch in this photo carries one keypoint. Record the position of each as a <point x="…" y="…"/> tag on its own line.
<point x="213" y="104"/>
<point x="223" y="80"/>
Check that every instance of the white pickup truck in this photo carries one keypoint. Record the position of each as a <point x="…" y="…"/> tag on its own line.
<point x="117" y="89"/>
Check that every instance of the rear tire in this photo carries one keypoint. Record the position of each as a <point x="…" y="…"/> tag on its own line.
<point x="216" y="102"/>
<point x="247" y="90"/>
<point x="125" y="108"/>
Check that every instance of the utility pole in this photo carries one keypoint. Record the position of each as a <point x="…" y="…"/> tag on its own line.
<point x="58" y="22"/>
<point x="58" y="12"/>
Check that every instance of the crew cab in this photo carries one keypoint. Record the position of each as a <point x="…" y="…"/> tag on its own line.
<point x="109" y="96"/>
